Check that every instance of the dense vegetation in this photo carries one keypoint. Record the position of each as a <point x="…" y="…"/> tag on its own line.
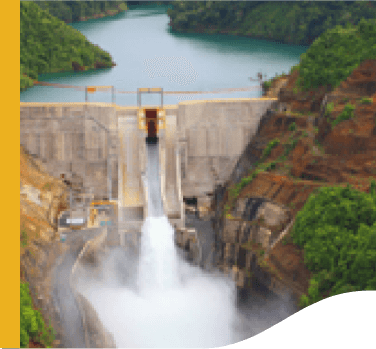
<point x="337" y="226"/>
<point x="340" y="50"/>
<point x="72" y="11"/>
<point x="49" y="45"/>
<point x="298" y="22"/>
<point x="337" y="229"/>
<point x="32" y="326"/>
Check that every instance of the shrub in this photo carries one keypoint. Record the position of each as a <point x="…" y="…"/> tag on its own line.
<point x="267" y="84"/>
<point x="245" y="181"/>
<point x="290" y="146"/>
<point x="31" y="322"/>
<point x="366" y="100"/>
<point x="23" y="238"/>
<point x="329" y="109"/>
<point x="47" y="186"/>
<point x="346" y="114"/>
<point x="269" y="147"/>
<point x="292" y="127"/>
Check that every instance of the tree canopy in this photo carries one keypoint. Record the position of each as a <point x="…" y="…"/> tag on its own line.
<point x="48" y="45"/>
<point x="72" y="11"/>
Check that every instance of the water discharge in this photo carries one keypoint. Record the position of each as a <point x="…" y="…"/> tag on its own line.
<point x="173" y="304"/>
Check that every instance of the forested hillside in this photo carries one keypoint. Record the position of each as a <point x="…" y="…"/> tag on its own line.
<point x="294" y="22"/>
<point x="315" y="153"/>
<point x="48" y="45"/>
<point x="73" y="11"/>
<point x="335" y="54"/>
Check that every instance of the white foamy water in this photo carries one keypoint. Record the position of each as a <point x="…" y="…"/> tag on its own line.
<point x="158" y="262"/>
<point x="175" y="304"/>
<point x="153" y="298"/>
<point x="172" y="304"/>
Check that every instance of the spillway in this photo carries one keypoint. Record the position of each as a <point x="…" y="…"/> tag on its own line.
<point x="158" y="259"/>
<point x="168" y="302"/>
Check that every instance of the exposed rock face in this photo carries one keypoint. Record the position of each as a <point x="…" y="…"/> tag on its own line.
<point x="99" y="65"/>
<point x="329" y="155"/>
<point x="77" y="67"/>
<point x="275" y="88"/>
<point x="42" y="198"/>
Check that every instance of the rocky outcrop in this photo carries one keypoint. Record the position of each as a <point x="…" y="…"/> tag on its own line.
<point x="101" y="65"/>
<point x="77" y="67"/>
<point x="45" y="195"/>
<point x="316" y="154"/>
<point x="42" y="198"/>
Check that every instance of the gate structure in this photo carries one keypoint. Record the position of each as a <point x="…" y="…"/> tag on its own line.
<point x="151" y="120"/>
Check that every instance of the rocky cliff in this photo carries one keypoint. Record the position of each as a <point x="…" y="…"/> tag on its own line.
<point x="42" y="198"/>
<point x="252" y="228"/>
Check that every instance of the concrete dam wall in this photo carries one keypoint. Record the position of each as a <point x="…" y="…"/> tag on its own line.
<point x="75" y="139"/>
<point x="104" y="145"/>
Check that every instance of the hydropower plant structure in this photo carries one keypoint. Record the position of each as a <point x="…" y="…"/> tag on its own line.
<point x="145" y="161"/>
<point x="104" y="145"/>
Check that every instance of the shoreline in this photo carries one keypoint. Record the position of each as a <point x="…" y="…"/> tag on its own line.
<point x="108" y="13"/>
<point x="211" y="30"/>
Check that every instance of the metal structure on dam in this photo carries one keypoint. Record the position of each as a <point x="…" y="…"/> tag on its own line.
<point x="104" y="146"/>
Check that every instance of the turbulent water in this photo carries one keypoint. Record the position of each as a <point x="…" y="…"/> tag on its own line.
<point x="169" y="303"/>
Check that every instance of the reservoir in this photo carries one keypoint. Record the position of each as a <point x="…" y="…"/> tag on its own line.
<point x="148" y="54"/>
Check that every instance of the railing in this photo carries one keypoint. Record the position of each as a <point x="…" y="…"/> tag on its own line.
<point x="113" y="90"/>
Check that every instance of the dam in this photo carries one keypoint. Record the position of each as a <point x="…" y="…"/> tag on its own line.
<point x="103" y="147"/>
<point x="146" y="161"/>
